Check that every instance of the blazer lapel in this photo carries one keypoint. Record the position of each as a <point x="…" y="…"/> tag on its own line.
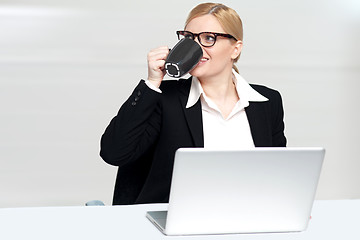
<point x="193" y="114"/>
<point x="259" y="124"/>
<point x="256" y="114"/>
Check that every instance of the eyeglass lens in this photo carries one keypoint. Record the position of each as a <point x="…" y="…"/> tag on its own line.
<point x="205" y="39"/>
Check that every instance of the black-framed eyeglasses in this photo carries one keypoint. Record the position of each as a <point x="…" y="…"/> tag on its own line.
<point x="206" y="39"/>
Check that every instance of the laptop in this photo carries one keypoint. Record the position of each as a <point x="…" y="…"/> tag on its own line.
<point x="260" y="190"/>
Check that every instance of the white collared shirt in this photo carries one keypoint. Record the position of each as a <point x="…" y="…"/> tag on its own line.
<point x="234" y="131"/>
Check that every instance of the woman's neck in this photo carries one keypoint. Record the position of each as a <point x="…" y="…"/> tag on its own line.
<point x="218" y="87"/>
<point x="222" y="91"/>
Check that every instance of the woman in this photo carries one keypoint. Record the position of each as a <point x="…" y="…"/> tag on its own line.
<point x="215" y="107"/>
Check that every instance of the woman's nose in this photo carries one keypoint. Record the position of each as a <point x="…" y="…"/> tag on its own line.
<point x="198" y="42"/>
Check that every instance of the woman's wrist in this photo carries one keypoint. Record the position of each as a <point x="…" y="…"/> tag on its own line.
<point x="153" y="85"/>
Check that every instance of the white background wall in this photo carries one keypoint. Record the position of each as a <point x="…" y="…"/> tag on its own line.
<point x="66" y="67"/>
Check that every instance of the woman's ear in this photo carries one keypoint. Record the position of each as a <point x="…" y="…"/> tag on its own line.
<point x="237" y="49"/>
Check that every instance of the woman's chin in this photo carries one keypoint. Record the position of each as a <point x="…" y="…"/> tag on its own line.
<point x="196" y="72"/>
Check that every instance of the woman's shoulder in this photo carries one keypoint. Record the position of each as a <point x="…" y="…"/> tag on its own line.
<point x="267" y="92"/>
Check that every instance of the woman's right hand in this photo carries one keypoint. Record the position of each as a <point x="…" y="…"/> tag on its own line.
<point x="156" y="64"/>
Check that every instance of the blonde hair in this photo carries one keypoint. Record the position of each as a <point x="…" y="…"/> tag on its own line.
<point x="227" y="17"/>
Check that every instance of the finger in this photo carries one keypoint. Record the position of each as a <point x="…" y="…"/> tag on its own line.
<point x="157" y="66"/>
<point x="157" y="57"/>
<point x="158" y="53"/>
<point x="162" y="48"/>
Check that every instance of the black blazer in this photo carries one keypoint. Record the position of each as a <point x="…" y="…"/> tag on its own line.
<point x="149" y="127"/>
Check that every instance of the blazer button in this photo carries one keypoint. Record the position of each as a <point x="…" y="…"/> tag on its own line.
<point x="133" y="103"/>
<point x="136" y="99"/>
<point x="139" y="93"/>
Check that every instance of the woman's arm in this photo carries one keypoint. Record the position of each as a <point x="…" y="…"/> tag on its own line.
<point x="135" y="129"/>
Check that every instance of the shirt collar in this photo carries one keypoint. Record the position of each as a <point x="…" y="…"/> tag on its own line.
<point x="245" y="92"/>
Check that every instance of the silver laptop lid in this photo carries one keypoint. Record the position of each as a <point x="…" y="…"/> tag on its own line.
<point x="246" y="191"/>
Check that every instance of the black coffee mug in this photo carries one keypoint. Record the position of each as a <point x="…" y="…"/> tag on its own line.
<point x="183" y="58"/>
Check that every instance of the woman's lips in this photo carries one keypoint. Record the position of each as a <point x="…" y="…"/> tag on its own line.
<point x="203" y="60"/>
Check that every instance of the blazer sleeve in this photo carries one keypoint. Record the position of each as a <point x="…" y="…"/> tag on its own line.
<point x="135" y="129"/>
<point x="278" y="126"/>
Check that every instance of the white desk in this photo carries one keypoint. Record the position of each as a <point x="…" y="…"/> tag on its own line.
<point x="335" y="219"/>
